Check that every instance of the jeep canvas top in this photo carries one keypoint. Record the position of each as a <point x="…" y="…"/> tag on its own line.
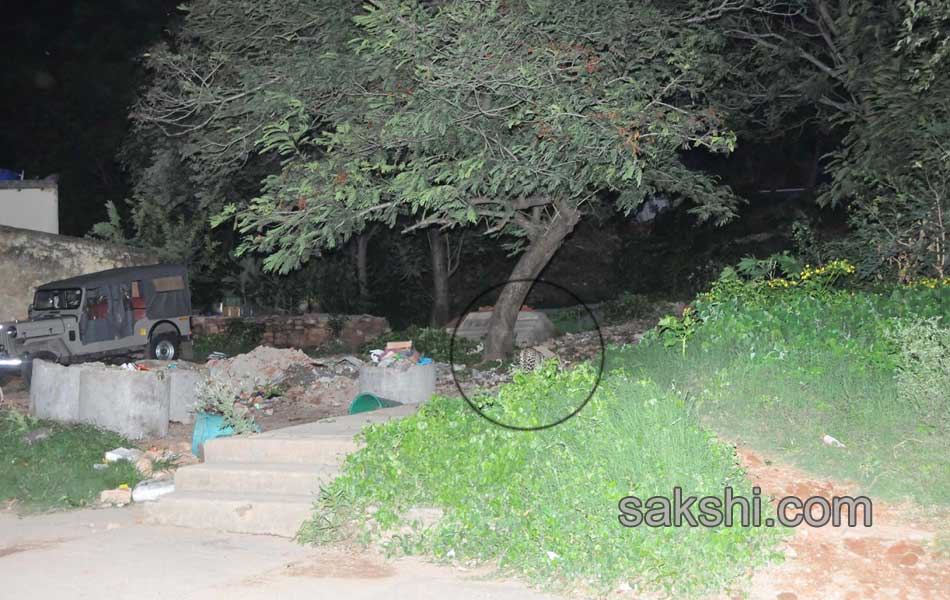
<point x="118" y="312"/>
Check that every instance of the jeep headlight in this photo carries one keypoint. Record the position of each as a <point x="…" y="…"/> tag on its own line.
<point x="11" y="331"/>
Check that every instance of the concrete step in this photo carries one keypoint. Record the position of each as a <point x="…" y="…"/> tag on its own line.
<point x="254" y="478"/>
<point x="325" y="442"/>
<point x="257" y="449"/>
<point x="266" y="514"/>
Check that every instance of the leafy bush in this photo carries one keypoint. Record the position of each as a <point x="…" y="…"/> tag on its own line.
<point x="433" y="342"/>
<point x="544" y="503"/>
<point x="217" y="398"/>
<point x="924" y="364"/>
<point x="627" y="307"/>
<point x="777" y="265"/>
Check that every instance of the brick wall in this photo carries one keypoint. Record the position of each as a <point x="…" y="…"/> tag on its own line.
<point x="302" y="331"/>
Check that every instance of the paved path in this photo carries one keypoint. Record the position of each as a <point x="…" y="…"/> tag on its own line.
<point x="109" y="553"/>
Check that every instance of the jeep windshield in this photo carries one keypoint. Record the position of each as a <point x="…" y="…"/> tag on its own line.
<point x="69" y="299"/>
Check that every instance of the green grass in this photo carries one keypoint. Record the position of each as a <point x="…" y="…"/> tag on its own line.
<point x="778" y="374"/>
<point x="786" y="407"/>
<point x="58" y="472"/>
<point x="543" y="504"/>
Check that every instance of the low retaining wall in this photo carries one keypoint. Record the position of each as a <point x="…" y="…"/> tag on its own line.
<point x="303" y="331"/>
<point x="136" y="404"/>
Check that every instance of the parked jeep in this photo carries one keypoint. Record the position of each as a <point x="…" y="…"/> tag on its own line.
<point x="119" y="312"/>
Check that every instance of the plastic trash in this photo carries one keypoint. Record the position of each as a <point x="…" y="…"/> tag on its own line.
<point x="424" y="360"/>
<point x="367" y="402"/>
<point x="129" y="454"/>
<point x="208" y="427"/>
<point x="152" y="489"/>
<point x="830" y="441"/>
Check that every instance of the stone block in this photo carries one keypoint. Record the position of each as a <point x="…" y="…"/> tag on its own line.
<point x="531" y="328"/>
<point x="54" y="392"/>
<point x="132" y="403"/>
<point x="183" y="393"/>
<point x="412" y="386"/>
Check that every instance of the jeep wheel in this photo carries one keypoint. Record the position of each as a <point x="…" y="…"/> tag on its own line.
<point x="164" y="346"/>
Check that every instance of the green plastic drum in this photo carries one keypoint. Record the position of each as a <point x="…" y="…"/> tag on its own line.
<point x="367" y="402"/>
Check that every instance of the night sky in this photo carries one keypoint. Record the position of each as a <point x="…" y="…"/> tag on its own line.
<point x="70" y="71"/>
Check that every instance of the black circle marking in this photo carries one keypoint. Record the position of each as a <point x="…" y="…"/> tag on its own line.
<point x="600" y="367"/>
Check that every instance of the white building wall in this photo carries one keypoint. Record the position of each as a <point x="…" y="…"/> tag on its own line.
<point x="30" y="204"/>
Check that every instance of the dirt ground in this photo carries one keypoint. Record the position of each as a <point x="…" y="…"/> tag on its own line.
<point x="899" y="556"/>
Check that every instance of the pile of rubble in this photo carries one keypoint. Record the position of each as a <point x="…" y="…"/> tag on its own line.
<point x="262" y="367"/>
<point x="279" y="386"/>
<point x="331" y="381"/>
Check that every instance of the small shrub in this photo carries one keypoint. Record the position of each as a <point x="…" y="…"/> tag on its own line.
<point x="627" y="307"/>
<point x="239" y="337"/>
<point x="217" y="398"/>
<point x="677" y="332"/>
<point x="336" y="324"/>
<point x="923" y="372"/>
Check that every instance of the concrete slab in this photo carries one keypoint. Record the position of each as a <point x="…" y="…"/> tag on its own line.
<point x="133" y="403"/>
<point x="268" y="514"/>
<point x="54" y="392"/>
<point x="348" y="425"/>
<point x="254" y="478"/>
<point x="322" y="450"/>
<point x="415" y="385"/>
<point x="531" y="328"/>
<point x="183" y="394"/>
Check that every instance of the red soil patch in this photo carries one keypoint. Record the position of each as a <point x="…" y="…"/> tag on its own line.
<point x="894" y="558"/>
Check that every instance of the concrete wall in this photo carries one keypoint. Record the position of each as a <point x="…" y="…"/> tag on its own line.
<point x="32" y="258"/>
<point x="136" y="404"/>
<point x="412" y="386"/>
<point x="30" y="204"/>
<point x="302" y="331"/>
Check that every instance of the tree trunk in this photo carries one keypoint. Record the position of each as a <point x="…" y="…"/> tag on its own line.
<point x="500" y="338"/>
<point x="440" y="278"/>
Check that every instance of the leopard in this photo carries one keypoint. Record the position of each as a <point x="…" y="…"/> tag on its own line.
<point x="533" y="358"/>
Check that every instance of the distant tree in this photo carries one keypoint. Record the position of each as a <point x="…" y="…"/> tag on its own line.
<point x="519" y="118"/>
<point x="875" y="72"/>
